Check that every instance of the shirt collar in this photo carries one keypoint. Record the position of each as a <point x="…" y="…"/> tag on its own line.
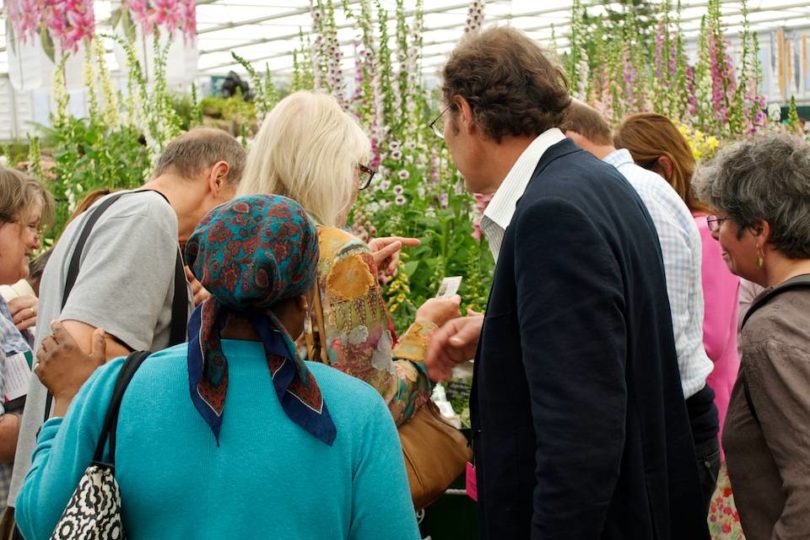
<point x="502" y="206"/>
<point x="619" y="157"/>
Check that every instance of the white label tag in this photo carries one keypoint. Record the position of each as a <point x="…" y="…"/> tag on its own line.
<point x="449" y="287"/>
<point x="17" y="375"/>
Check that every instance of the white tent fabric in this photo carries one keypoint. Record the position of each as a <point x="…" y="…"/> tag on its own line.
<point x="266" y="32"/>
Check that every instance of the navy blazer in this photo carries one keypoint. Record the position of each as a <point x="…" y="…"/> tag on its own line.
<point x="580" y="425"/>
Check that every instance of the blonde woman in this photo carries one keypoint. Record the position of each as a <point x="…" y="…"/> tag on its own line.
<point x="310" y="150"/>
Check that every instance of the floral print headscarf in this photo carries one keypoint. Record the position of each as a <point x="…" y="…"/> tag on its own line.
<point x="250" y="254"/>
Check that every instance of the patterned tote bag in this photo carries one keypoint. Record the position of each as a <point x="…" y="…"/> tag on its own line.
<point x="94" y="510"/>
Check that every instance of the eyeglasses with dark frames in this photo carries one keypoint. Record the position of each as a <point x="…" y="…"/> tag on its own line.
<point x="437" y="125"/>
<point x="366" y="174"/>
<point x="714" y="222"/>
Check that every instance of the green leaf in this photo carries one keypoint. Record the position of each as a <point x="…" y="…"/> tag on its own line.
<point x="12" y="41"/>
<point x="47" y="43"/>
<point x="115" y="17"/>
<point x="129" y="27"/>
<point x="410" y="267"/>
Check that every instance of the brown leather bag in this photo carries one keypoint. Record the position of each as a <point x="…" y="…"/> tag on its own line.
<point x="435" y="454"/>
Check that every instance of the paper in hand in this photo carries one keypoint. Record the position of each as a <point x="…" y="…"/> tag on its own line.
<point x="17" y="375"/>
<point x="449" y="287"/>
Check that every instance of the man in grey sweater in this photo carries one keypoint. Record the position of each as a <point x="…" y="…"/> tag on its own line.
<point x="125" y="283"/>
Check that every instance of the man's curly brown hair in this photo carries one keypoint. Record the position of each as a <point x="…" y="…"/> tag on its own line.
<point x="510" y="84"/>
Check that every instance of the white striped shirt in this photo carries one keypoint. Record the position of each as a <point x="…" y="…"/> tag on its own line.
<point x="682" y="253"/>
<point x="501" y="208"/>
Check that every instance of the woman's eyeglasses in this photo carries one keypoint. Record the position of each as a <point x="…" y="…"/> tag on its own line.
<point x="366" y="174"/>
<point x="714" y="222"/>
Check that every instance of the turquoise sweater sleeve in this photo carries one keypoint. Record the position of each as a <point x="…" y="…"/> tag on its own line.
<point x="54" y="476"/>
<point x="382" y="506"/>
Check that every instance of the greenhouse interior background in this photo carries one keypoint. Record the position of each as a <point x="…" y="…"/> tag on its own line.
<point x="267" y="33"/>
<point x="93" y="91"/>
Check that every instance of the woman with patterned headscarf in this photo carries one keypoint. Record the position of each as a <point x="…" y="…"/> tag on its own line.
<point x="232" y="435"/>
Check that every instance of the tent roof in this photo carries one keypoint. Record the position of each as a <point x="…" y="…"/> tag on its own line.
<point x="267" y="31"/>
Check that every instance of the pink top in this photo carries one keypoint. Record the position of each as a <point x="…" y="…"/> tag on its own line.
<point x="720" y="298"/>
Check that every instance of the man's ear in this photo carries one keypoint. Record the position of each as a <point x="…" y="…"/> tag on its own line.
<point x="218" y="177"/>
<point x="465" y="113"/>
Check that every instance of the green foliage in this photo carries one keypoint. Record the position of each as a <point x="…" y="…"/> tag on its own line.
<point x="233" y="108"/>
<point x="416" y="192"/>
<point x="266" y="93"/>
<point x="187" y="111"/>
<point x="87" y="155"/>
<point x="793" y="120"/>
<point x="15" y="152"/>
<point x="120" y="140"/>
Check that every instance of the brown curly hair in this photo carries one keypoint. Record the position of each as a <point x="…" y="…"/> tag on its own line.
<point x="512" y="87"/>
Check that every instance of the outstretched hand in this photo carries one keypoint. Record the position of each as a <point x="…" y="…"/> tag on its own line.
<point x="452" y="344"/>
<point x="386" y="253"/>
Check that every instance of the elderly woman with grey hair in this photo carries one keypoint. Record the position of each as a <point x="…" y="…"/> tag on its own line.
<point x="761" y="189"/>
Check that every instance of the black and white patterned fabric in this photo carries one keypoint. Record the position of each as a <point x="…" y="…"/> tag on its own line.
<point x="94" y="510"/>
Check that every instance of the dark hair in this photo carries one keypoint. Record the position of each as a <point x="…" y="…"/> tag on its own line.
<point x="510" y="84"/>
<point x="19" y="192"/>
<point x="36" y="267"/>
<point x="766" y="178"/>
<point x="200" y="148"/>
<point x="587" y="121"/>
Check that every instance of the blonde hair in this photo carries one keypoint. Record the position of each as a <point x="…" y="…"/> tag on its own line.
<point x="308" y="149"/>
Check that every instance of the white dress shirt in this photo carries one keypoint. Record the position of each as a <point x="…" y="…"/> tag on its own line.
<point x="501" y="208"/>
<point x="682" y="253"/>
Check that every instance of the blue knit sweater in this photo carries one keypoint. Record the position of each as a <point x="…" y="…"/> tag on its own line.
<point x="267" y="479"/>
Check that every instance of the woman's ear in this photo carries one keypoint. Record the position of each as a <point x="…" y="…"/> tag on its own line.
<point x="665" y="164"/>
<point x="761" y="229"/>
<point x="303" y="302"/>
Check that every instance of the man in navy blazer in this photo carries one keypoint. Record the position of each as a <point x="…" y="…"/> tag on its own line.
<point x="580" y="427"/>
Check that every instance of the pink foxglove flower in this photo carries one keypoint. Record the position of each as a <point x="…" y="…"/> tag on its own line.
<point x="168" y="15"/>
<point x="25" y="16"/>
<point x="481" y="203"/>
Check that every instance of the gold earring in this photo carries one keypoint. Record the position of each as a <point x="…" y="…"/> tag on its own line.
<point x="760" y="260"/>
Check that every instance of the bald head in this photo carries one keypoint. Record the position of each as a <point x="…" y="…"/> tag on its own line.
<point x="199" y="149"/>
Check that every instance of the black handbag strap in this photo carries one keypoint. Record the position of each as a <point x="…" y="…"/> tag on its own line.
<point x="110" y="425"/>
<point x="177" y="332"/>
<point x="179" y="324"/>
<point x="797" y="282"/>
